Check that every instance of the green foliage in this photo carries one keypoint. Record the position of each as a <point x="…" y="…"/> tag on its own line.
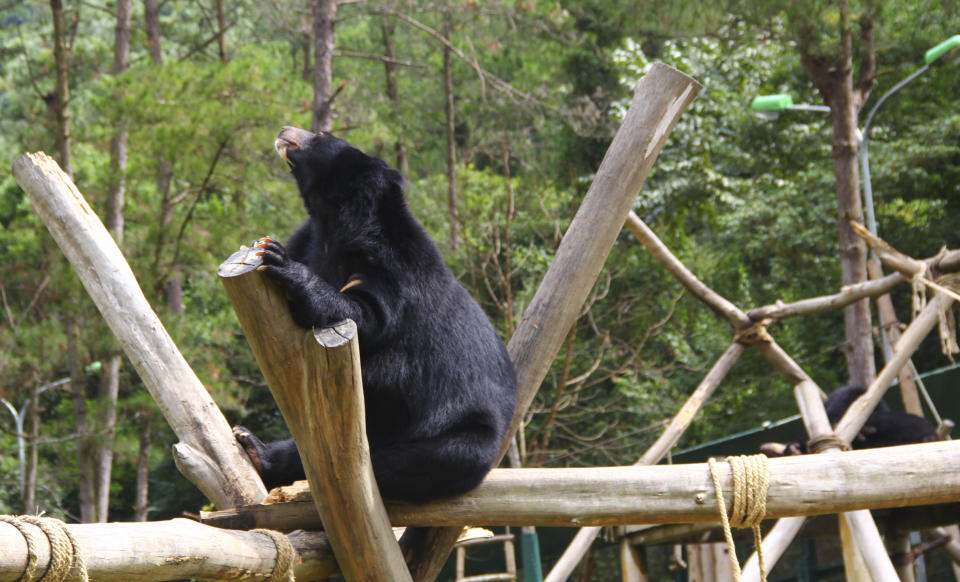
<point x="747" y="204"/>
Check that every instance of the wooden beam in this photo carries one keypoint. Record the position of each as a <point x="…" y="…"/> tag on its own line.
<point x="208" y="455"/>
<point x="165" y="550"/>
<point x="600" y="496"/>
<point x="315" y="378"/>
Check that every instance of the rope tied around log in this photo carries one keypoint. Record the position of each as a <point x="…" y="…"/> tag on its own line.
<point x="66" y="559"/>
<point x="755" y="334"/>
<point x="283" y="565"/>
<point x="751" y="481"/>
<point x="826" y="441"/>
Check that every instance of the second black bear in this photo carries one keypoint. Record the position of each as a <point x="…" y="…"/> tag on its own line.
<point x="883" y="428"/>
<point x="439" y="387"/>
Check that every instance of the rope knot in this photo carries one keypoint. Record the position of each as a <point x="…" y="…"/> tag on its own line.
<point x="751" y="481"/>
<point x="755" y="334"/>
<point x="283" y="565"/>
<point x="827" y="441"/>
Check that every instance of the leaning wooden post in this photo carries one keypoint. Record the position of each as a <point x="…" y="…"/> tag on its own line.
<point x="314" y="376"/>
<point x="208" y="454"/>
<point x="660" y="97"/>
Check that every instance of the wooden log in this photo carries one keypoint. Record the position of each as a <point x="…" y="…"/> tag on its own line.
<point x="737" y="318"/>
<point x="814" y="415"/>
<point x="599" y="496"/>
<point x="165" y="550"/>
<point x="660" y="97"/>
<point x="890" y="326"/>
<point x="208" y="454"/>
<point x="315" y="378"/>
<point x="633" y="562"/>
<point x="861" y="408"/>
<point x="865" y="534"/>
<point x="945" y="262"/>
<point x="854" y="566"/>
<point x="899" y="548"/>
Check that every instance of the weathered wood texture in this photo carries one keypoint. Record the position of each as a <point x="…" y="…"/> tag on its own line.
<point x="800" y="485"/>
<point x="164" y="550"/>
<point x="315" y="378"/>
<point x="660" y="97"/>
<point x="208" y="454"/>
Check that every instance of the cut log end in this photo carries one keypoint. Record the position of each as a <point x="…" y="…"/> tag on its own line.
<point x="240" y="263"/>
<point x="335" y="335"/>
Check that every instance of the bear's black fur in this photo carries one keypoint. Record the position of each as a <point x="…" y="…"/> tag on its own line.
<point x="439" y="387"/>
<point x="883" y="428"/>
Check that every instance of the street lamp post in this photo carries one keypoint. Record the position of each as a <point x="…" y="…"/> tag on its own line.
<point x="929" y="58"/>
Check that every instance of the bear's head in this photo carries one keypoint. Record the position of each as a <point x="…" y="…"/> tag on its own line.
<point x="330" y="172"/>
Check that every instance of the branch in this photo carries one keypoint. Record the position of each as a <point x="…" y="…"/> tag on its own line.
<point x="382" y="59"/>
<point x="482" y="73"/>
<point x="737" y="318"/>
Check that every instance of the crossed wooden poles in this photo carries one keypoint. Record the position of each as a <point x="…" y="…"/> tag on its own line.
<point x="315" y="379"/>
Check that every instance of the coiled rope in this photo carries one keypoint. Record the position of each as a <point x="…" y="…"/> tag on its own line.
<point x="283" y="566"/>
<point x="66" y="559"/>
<point x="751" y="481"/>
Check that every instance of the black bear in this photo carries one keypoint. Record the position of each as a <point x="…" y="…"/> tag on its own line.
<point x="439" y="387"/>
<point x="883" y="428"/>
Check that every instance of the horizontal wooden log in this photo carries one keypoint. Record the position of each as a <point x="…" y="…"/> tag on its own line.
<point x="167" y="550"/>
<point x="803" y="485"/>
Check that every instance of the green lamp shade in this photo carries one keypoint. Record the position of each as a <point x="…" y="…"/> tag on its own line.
<point x="938" y="51"/>
<point x="771" y="102"/>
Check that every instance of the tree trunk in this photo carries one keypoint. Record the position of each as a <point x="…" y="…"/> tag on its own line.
<point x="390" y="87"/>
<point x="324" y="13"/>
<point x="32" y="430"/>
<point x="152" y="21"/>
<point x="85" y="470"/>
<point x="833" y="78"/>
<point x="171" y="288"/>
<point x="106" y="429"/>
<point x="221" y="32"/>
<point x="141" y="506"/>
<point x="62" y="91"/>
<point x="451" y="138"/>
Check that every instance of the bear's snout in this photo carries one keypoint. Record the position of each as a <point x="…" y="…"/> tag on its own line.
<point x="291" y="139"/>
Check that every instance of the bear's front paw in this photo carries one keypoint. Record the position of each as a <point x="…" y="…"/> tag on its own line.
<point x="253" y="446"/>
<point x="271" y="252"/>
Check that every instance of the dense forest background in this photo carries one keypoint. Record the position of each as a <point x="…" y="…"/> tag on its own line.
<point x="498" y="113"/>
